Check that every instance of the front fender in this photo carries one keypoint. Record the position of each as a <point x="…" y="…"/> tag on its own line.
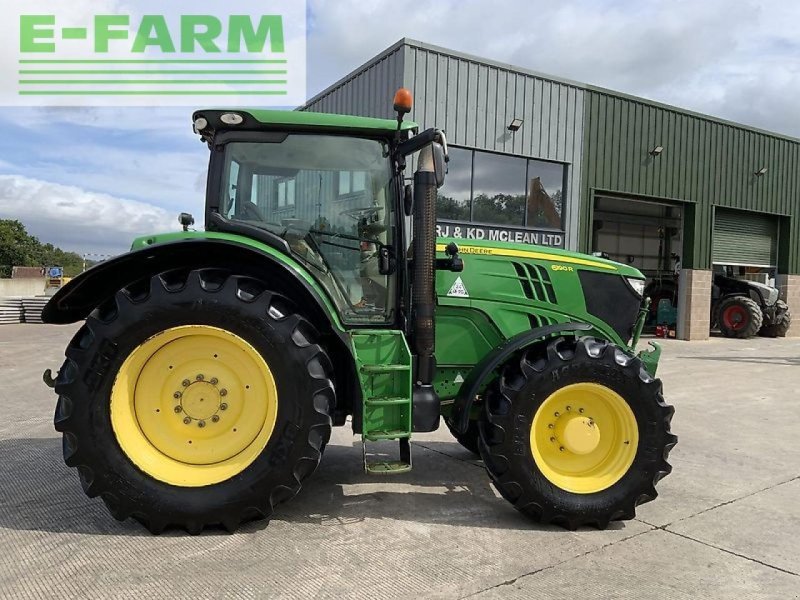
<point x="85" y="292"/>
<point x="459" y="419"/>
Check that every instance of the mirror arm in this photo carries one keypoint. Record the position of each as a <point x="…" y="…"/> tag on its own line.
<point x="418" y="142"/>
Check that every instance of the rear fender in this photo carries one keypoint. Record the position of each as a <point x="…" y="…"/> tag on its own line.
<point x="76" y="300"/>
<point x="85" y="292"/>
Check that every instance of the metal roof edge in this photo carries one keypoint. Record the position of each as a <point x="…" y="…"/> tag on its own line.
<point x="494" y="63"/>
<point x="354" y="73"/>
<point x="692" y="113"/>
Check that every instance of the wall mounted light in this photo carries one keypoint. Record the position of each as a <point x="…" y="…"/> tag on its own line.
<point x="760" y="172"/>
<point x="656" y="151"/>
<point x="515" y="125"/>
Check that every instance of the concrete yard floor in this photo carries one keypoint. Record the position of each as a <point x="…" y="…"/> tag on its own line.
<point x="726" y="524"/>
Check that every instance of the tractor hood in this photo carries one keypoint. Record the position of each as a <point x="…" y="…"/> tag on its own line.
<point x="769" y="293"/>
<point x="544" y="285"/>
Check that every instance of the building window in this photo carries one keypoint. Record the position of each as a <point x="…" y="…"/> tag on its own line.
<point x="453" y="199"/>
<point x="351" y="182"/>
<point x="545" y="198"/>
<point x="497" y="189"/>
<point x="285" y="192"/>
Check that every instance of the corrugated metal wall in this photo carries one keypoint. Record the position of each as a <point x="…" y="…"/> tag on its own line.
<point x="367" y="91"/>
<point x="705" y="161"/>
<point x="475" y="100"/>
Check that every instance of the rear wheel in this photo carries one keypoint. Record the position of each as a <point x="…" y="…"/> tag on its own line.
<point x="468" y="439"/>
<point x="576" y="433"/>
<point x="739" y="317"/>
<point x="193" y="399"/>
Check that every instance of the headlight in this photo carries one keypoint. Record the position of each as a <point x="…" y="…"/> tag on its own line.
<point x="637" y="285"/>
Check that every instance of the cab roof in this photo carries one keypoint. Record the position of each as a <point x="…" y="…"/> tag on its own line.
<point x="294" y="119"/>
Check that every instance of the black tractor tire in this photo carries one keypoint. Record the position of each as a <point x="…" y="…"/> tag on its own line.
<point x="739" y="317"/>
<point x="468" y="440"/>
<point x="236" y="303"/>
<point x="779" y="328"/>
<point x="524" y="386"/>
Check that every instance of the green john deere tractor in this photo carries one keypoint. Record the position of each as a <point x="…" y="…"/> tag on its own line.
<point x="202" y="388"/>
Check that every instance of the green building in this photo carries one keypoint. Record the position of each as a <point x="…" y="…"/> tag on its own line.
<point x="543" y="160"/>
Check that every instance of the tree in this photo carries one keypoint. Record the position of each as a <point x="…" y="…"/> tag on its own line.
<point x="450" y="208"/>
<point x="20" y="249"/>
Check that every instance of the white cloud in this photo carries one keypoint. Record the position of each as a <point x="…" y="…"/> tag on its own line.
<point x="74" y="219"/>
<point x="163" y="176"/>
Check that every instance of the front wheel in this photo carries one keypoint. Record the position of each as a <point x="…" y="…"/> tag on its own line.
<point x="780" y="327"/>
<point x="194" y="398"/>
<point x="576" y="432"/>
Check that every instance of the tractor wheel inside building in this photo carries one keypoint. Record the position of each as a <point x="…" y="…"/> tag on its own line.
<point x="576" y="433"/>
<point x="194" y="398"/>
<point x="781" y="327"/>
<point x="468" y="440"/>
<point x="739" y="317"/>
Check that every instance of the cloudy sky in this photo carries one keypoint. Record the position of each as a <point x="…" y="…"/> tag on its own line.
<point x="91" y="180"/>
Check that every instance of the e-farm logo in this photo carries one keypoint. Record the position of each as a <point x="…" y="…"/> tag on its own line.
<point x="251" y="55"/>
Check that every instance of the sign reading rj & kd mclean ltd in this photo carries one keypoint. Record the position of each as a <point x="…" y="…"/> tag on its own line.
<point x="470" y="231"/>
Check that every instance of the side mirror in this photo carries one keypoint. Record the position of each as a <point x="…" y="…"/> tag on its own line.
<point x="386" y="260"/>
<point x="408" y="200"/>
<point x="439" y="163"/>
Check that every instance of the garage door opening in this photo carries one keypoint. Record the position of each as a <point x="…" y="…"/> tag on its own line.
<point x="649" y="236"/>
<point x="745" y="245"/>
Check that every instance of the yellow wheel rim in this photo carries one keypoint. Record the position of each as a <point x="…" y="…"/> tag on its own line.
<point x="584" y="438"/>
<point x="194" y="405"/>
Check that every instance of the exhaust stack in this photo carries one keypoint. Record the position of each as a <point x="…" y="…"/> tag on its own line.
<point x="426" y="400"/>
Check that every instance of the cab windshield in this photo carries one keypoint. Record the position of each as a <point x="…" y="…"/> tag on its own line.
<point x="329" y="197"/>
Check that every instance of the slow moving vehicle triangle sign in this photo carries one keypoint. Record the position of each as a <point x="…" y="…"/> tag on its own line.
<point x="458" y="289"/>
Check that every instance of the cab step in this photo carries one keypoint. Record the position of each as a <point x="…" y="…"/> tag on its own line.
<point x="384" y="372"/>
<point x="379" y="466"/>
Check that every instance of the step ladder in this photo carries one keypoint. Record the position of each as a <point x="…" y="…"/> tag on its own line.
<point x="384" y="371"/>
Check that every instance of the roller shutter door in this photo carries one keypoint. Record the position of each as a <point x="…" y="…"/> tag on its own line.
<point x="742" y="238"/>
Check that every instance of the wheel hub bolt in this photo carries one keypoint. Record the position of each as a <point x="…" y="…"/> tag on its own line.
<point x="561" y="448"/>
<point x="223" y="392"/>
<point x="200" y="377"/>
<point x="176" y="395"/>
<point x="215" y="418"/>
<point x="178" y="409"/>
<point x="557" y="413"/>
<point x="550" y="425"/>
<point x="201" y="424"/>
<point x="569" y="408"/>
<point x="223" y="406"/>
<point x="580" y="410"/>
<point x="214" y="381"/>
<point x="185" y="383"/>
<point x="187" y="420"/>
<point x="552" y="439"/>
